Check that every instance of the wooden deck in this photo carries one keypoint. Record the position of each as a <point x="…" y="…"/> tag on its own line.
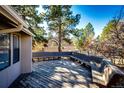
<point x="55" y="74"/>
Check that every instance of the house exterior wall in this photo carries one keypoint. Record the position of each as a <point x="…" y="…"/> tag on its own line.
<point x="9" y="74"/>
<point x="26" y="53"/>
<point x="18" y="26"/>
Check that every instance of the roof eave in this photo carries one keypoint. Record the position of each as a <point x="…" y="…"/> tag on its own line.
<point x="15" y="16"/>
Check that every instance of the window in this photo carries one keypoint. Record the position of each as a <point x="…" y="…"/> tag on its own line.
<point x="4" y="50"/>
<point x="15" y="48"/>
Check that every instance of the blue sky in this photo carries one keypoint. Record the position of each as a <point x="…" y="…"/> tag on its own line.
<point x="97" y="15"/>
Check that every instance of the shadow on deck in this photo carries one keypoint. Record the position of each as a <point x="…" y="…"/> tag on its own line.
<point x="55" y="74"/>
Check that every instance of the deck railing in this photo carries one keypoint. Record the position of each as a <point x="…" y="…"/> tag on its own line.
<point x="81" y="56"/>
<point x="101" y="69"/>
<point x="51" y="54"/>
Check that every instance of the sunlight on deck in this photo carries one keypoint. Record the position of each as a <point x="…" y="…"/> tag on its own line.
<point x="57" y="74"/>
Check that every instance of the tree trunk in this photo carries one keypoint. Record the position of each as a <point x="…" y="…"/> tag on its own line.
<point x="59" y="36"/>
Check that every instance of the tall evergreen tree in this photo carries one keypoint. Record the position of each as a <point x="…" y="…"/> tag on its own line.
<point x="83" y="37"/>
<point x="60" y="19"/>
<point x="30" y="14"/>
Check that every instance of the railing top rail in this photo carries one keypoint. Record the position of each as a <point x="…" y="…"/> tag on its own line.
<point x="46" y="54"/>
<point x="85" y="57"/>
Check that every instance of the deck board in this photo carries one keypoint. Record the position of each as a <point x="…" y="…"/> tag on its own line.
<point x="55" y="74"/>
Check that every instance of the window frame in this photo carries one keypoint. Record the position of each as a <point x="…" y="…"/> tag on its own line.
<point x="18" y="35"/>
